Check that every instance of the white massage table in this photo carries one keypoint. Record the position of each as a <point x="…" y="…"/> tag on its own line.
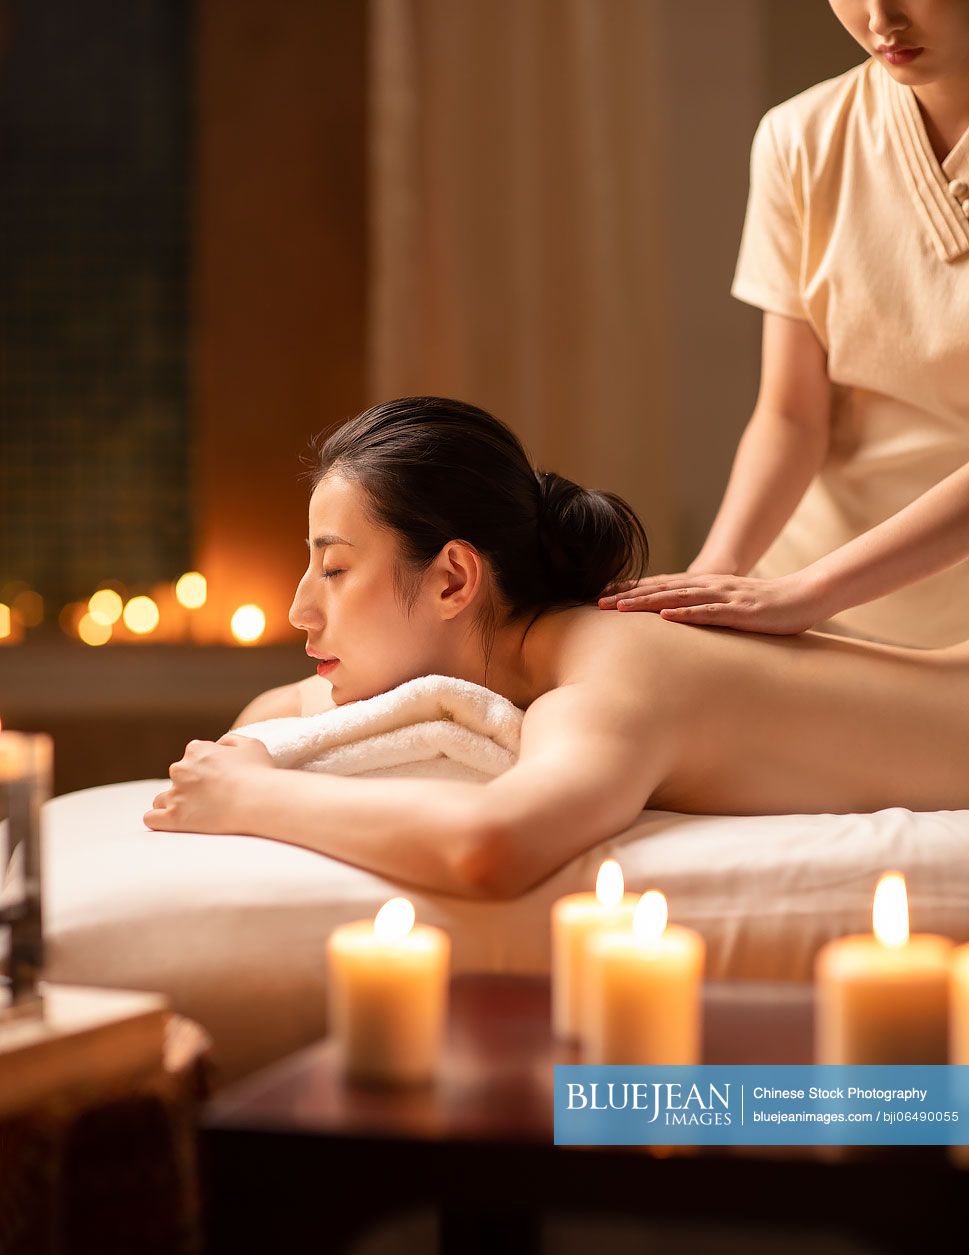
<point x="233" y="929"/>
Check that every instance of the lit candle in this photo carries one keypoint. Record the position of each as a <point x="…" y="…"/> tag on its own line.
<point x="388" y="995"/>
<point x="959" y="1005"/>
<point x="645" y="989"/>
<point x="959" y="1029"/>
<point x="26" y="760"/>
<point x="575" y="918"/>
<point x="882" y="997"/>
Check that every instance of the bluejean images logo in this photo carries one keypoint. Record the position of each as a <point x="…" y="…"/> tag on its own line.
<point x="773" y="1104"/>
<point x="668" y="1101"/>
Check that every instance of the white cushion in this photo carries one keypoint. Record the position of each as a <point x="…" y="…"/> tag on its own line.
<point x="234" y="928"/>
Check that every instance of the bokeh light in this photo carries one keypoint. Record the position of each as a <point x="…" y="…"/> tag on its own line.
<point x="248" y="623"/>
<point x="191" y="590"/>
<point x="105" y="607"/>
<point x="92" y="631"/>
<point x="29" y="605"/>
<point x="70" y="617"/>
<point x="140" y="615"/>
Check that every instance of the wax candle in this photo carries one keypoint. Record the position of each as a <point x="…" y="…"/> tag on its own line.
<point x="882" y="997"/>
<point x="388" y="995"/>
<point x="645" y="989"/>
<point x="26" y="760"/>
<point x="959" y="1005"/>
<point x="959" y="1030"/>
<point x="575" y="918"/>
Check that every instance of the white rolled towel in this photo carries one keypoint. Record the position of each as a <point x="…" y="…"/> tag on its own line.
<point x="435" y="725"/>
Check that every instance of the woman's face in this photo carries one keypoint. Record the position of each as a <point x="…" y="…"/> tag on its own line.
<point x="940" y="28"/>
<point x="346" y="603"/>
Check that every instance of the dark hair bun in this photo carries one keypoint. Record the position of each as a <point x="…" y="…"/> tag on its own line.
<point x="589" y="538"/>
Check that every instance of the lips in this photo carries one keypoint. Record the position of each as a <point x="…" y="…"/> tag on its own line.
<point x="321" y="657"/>
<point x="901" y="52"/>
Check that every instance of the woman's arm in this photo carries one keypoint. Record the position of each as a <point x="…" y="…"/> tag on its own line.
<point x="780" y="451"/>
<point x="582" y="776"/>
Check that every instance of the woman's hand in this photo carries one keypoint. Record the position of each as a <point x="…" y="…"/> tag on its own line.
<point x="208" y="786"/>
<point x="786" y="605"/>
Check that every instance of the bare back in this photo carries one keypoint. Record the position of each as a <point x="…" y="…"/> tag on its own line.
<point x="762" y="724"/>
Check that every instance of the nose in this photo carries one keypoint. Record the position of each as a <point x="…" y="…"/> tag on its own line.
<point x="885" y="19"/>
<point x="302" y="613"/>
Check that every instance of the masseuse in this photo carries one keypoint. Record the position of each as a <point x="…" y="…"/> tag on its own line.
<point x="847" y="507"/>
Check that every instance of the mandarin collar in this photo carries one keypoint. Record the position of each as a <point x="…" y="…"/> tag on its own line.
<point x="939" y="190"/>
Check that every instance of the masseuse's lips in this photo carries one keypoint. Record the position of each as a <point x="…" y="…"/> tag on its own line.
<point x="899" y="53"/>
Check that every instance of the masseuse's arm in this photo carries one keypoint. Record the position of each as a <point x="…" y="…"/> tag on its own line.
<point x="928" y="535"/>
<point x="780" y="452"/>
<point x="581" y="777"/>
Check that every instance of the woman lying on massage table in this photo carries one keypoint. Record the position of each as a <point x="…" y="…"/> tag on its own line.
<point x="436" y="548"/>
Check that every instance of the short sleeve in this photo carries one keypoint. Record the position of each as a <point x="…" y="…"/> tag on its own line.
<point x="769" y="263"/>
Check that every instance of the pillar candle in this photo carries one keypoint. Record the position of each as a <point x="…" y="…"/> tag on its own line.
<point x="959" y="1005"/>
<point x="388" y="995"/>
<point x="959" y="1030"/>
<point x="26" y="760"/>
<point x="882" y="997"/>
<point x="645" y="990"/>
<point x="575" y="918"/>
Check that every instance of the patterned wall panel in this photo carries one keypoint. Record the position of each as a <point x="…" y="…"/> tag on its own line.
<point x="94" y="170"/>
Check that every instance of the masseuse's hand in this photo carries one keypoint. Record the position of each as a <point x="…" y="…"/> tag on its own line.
<point x="208" y="786"/>
<point x="783" y="606"/>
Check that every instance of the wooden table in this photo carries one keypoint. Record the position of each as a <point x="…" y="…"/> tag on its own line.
<point x="296" y="1160"/>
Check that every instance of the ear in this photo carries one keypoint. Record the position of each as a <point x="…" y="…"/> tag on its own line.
<point x="459" y="573"/>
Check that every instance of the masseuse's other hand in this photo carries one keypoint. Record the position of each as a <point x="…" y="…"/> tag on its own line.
<point x="783" y="606"/>
<point x="207" y="793"/>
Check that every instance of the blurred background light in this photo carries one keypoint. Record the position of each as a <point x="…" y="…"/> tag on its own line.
<point x="105" y="607"/>
<point x="191" y="590"/>
<point x="140" y="615"/>
<point x="92" y="631"/>
<point x="248" y="624"/>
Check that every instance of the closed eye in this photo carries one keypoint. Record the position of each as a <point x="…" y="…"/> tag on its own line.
<point x="329" y="574"/>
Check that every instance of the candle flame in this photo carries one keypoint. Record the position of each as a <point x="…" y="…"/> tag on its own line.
<point x="609" y="883"/>
<point x="394" y="920"/>
<point x="889" y="910"/>
<point x="650" y="916"/>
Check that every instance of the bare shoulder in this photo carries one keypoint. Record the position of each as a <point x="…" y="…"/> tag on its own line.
<point x="638" y="654"/>
<point x="315" y="695"/>
<point x="274" y="703"/>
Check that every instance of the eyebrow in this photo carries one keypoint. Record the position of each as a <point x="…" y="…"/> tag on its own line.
<point x="321" y="542"/>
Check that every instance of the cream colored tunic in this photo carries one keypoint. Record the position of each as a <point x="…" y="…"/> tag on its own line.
<point x="853" y="224"/>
